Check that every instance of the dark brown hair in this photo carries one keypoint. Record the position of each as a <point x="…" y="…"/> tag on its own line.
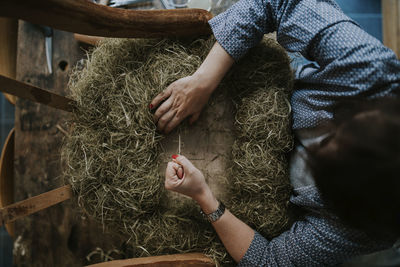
<point x="357" y="168"/>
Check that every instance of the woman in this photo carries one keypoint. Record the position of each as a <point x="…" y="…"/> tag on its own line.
<point x="352" y="209"/>
<point x="349" y="65"/>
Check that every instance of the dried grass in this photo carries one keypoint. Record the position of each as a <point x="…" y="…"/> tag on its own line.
<point x="112" y="151"/>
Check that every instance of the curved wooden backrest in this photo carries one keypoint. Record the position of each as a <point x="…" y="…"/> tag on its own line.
<point x="7" y="176"/>
<point x="85" y="17"/>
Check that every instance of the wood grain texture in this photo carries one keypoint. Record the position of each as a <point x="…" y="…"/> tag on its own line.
<point x="177" y="260"/>
<point x="85" y="17"/>
<point x="60" y="235"/>
<point x="87" y="39"/>
<point x="8" y="50"/>
<point x="34" y="204"/>
<point x="35" y="94"/>
<point x="391" y="25"/>
<point x="7" y="176"/>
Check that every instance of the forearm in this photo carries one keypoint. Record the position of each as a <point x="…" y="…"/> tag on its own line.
<point x="214" y="67"/>
<point x="234" y="234"/>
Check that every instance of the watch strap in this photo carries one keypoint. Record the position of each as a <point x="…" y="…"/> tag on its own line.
<point x="214" y="216"/>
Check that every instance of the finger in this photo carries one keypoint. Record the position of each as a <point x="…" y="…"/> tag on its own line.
<point x="160" y="97"/>
<point x="172" y="180"/>
<point x="173" y="166"/>
<point x="173" y="183"/>
<point x="180" y="173"/>
<point x="164" y="108"/>
<point x="184" y="162"/>
<point x="165" y="119"/>
<point x="173" y="123"/>
<point x="194" y="117"/>
<point x="171" y="170"/>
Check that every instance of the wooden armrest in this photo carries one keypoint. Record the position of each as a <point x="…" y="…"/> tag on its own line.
<point x="85" y="17"/>
<point x="176" y="260"/>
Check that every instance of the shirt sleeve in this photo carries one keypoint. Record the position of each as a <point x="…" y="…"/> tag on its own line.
<point x="242" y="26"/>
<point x="297" y="23"/>
<point x="314" y="241"/>
<point x="348" y="63"/>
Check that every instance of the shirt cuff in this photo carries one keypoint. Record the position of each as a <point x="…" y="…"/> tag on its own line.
<point x="220" y="28"/>
<point x="240" y="27"/>
<point x="255" y="251"/>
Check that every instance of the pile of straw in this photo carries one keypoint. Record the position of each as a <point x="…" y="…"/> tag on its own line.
<point x="112" y="151"/>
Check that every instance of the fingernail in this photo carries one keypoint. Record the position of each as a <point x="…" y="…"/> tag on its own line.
<point x="151" y="106"/>
<point x="174" y="156"/>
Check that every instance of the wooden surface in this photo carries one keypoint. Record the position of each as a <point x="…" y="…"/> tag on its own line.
<point x="26" y="207"/>
<point x="62" y="235"/>
<point x="8" y="50"/>
<point x="85" y="17"/>
<point x="178" y="260"/>
<point x="35" y="94"/>
<point x="7" y="176"/>
<point x="87" y="39"/>
<point x="59" y="235"/>
<point x="391" y="25"/>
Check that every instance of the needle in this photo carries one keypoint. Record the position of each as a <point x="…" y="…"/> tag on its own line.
<point x="179" y="144"/>
<point x="180" y="175"/>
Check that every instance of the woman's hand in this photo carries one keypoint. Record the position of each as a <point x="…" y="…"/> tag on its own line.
<point x="183" y="98"/>
<point x="188" y="96"/>
<point x="182" y="177"/>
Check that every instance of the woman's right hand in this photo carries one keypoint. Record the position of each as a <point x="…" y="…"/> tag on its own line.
<point x="183" y="177"/>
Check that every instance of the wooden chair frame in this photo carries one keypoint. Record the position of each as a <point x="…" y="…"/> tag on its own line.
<point x="85" y="17"/>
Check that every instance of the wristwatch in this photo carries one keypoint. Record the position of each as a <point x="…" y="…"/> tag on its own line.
<point x="214" y="216"/>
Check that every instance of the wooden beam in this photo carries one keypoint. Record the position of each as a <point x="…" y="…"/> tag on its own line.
<point x="176" y="260"/>
<point x="391" y="25"/>
<point x="88" y="39"/>
<point x="36" y="94"/>
<point x="34" y="204"/>
<point x="8" y="50"/>
<point x="85" y="17"/>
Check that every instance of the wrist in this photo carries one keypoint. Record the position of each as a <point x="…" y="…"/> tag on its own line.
<point x="207" y="201"/>
<point x="207" y="82"/>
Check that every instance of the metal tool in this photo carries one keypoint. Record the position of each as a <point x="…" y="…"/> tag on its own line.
<point x="125" y="3"/>
<point x="48" y="35"/>
<point x="167" y="4"/>
<point x="202" y="4"/>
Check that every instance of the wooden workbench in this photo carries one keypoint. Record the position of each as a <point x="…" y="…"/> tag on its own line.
<point x="60" y="235"/>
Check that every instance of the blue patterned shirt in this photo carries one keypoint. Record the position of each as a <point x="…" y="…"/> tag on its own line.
<point x="348" y="63"/>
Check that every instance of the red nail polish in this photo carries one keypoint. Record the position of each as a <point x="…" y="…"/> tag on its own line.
<point x="151" y="106"/>
<point x="174" y="156"/>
